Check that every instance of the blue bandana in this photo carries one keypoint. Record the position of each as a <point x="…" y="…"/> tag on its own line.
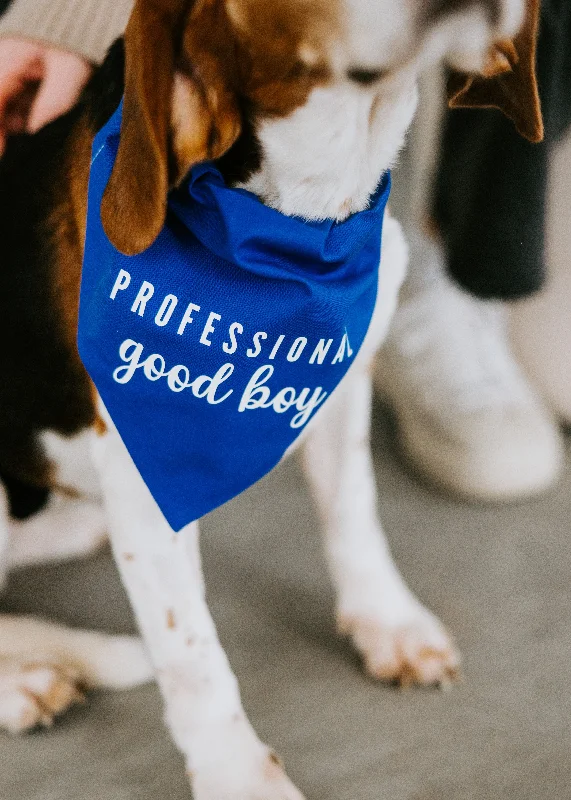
<point x="215" y="347"/>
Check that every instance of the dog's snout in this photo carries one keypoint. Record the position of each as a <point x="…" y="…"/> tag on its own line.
<point x="364" y="76"/>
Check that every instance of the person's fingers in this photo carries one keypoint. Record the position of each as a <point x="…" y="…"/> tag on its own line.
<point x="20" y="63"/>
<point x="17" y="56"/>
<point x="65" y="75"/>
<point x="37" y="84"/>
<point x="17" y="110"/>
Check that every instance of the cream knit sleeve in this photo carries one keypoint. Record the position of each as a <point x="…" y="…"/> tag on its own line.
<point x="86" y="27"/>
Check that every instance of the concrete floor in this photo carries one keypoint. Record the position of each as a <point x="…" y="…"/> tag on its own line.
<point x="499" y="577"/>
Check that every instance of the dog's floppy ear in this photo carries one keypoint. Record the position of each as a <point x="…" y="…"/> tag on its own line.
<point x="177" y="111"/>
<point x="508" y="82"/>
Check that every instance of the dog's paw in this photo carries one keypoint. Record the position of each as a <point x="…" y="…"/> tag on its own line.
<point x="33" y="695"/>
<point x="418" y="652"/>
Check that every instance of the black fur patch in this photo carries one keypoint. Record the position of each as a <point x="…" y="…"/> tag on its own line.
<point x="245" y="156"/>
<point x="43" y="385"/>
<point x="39" y="388"/>
<point x="24" y="500"/>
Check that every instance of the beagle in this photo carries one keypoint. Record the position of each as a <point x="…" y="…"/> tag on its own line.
<point x="304" y="103"/>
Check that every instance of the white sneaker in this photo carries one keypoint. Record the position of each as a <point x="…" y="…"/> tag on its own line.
<point x="468" y="419"/>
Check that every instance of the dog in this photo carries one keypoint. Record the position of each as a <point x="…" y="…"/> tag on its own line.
<point x="306" y="104"/>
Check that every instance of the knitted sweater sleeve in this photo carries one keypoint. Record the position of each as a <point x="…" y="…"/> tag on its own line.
<point x="86" y="27"/>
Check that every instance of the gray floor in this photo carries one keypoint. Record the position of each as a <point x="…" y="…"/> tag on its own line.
<point x="499" y="577"/>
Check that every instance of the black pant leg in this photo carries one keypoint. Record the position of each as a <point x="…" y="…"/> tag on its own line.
<point x="490" y="192"/>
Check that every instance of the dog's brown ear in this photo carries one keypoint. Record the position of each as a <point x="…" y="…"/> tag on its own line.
<point x="177" y="111"/>
<point x="508" y="81"/>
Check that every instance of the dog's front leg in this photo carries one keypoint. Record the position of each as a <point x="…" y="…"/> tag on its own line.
<point x="397" y="636"/>
<point x="162" y="573"/>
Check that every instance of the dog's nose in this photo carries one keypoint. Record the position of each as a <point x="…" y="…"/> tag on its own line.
<point x="364" y="75"/>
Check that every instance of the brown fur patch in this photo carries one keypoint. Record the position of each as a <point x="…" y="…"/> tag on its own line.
<point x="66" y="228"/>
<point x="171" y="620"/>
<point x="512" y="89"/>
<point x="251" y="55"/>
<point x="272" y="38"/>
<point x="273" y="767"/>
<point x="134" y="203"/>
<point x="100" y="426"/>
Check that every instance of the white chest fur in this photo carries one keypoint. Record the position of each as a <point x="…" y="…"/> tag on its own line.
<point x="326" y="159"/>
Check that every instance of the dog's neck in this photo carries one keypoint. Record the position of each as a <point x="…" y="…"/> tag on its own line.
<point x="326" y="159"/>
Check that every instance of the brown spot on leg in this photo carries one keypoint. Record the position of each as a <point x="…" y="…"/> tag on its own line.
<point x="171" y="620"/>
<point x="274" y="766"/>
<point x="68" y="491"/>
<point x="129" y="556"/>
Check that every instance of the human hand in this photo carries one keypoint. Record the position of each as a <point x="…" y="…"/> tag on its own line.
<point x="38" y="83"/>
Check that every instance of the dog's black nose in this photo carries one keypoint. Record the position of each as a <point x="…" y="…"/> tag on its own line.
<point x="364" y="76"/>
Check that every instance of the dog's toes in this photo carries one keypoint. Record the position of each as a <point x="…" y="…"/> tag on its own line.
<point x="34" y="695"/>
<point x="419" y="653"/>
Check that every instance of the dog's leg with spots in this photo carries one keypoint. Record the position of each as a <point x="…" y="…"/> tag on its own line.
<point x="162" y="573"/>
